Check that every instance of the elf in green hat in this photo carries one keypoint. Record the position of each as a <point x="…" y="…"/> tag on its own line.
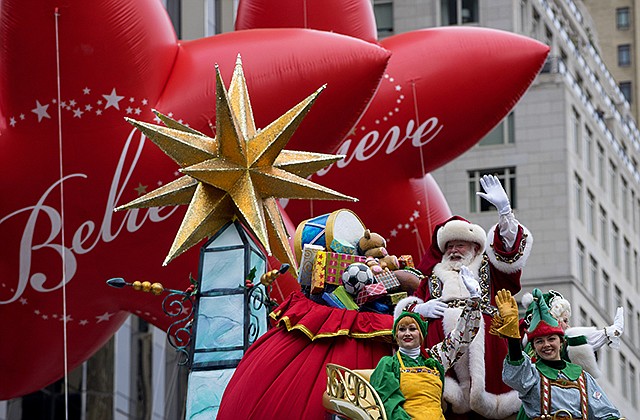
<point x="550" y="388"/>
<point x="410" y="382"/>
<point x="580" y="343"/>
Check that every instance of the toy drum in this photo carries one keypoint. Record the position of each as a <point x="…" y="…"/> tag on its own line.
<point x="342" y="225"/>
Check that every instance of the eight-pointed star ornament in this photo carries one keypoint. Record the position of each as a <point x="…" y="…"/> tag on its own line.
<point x="239" y="173"/>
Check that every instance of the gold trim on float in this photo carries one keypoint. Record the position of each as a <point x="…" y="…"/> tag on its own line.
<point x="341" y="332"/>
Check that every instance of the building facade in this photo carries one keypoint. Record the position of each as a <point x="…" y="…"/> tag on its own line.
<point x="617" y="38"/>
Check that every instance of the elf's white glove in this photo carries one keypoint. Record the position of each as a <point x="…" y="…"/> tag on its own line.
<point x="433" y="308"/>
<point x="614" y="331"/>
<point x="495" y="194"/>
<point x="470" y="282"/>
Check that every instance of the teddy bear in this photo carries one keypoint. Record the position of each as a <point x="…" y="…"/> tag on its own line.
<point x="373" y="246"/>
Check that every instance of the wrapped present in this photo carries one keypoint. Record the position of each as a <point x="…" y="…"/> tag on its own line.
<point x="342" y="247"/>
<point x="405" y="261"/>
<point x="371" y="292"/>
<point x="305" y="271"/>
<point x="389" y="279"/>
<point x="332" y="300"/>
<point x="397" y="297"/>
<point x="344" y="297"/>
<point x="318" y="274"/>
<point x="336" y="264"/>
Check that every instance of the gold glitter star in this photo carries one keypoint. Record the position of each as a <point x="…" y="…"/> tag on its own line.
<point x="240" y="173"/>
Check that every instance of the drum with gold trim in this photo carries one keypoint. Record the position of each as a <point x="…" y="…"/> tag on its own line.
<point x="342" y="225"/>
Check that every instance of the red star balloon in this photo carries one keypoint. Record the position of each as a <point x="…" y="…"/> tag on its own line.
<point x="70" y="71"/>
<point x="443" y="90"/>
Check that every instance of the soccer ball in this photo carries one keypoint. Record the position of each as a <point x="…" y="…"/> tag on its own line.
<point x="355" y="277"/>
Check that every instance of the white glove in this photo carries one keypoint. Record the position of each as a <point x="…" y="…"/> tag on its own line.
<point x="433" y="308"/>
<point x="614" y="331"/>
<point x="495" y="194"/>
<point x="470" y="282"/>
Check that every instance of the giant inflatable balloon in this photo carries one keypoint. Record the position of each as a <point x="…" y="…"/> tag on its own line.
<point x="70" y="71"/>
<point x="444" y="89"/>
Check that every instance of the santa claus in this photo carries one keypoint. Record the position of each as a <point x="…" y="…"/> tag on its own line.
<point x="459" y="250"/>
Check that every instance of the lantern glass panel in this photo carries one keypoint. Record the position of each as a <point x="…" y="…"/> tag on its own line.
<point x="220" y="326"/>
<point x="210" y="384"/>
<point x="226" y="238"/>
<point x="223" y="269"/>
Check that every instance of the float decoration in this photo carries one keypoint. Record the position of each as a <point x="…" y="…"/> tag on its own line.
<point x="239" y="173"/>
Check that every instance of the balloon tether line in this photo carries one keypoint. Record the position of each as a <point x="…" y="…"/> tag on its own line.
<point x="62" y="228"/>
<point x="420" y="244"/>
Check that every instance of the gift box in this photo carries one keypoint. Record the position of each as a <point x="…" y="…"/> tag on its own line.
<point x="318" y="275"/>
<point x="371" y="292"/>
<point x="394" y="298"/>
<point x="336" y="263"/>
<point x="342" y="247"/>
<point x="405" y="261"/>
<point x="305" y="271"/>
<point x="332" y="300"/>
<point x="345" y="298"/>
<point x="389" y="279"/>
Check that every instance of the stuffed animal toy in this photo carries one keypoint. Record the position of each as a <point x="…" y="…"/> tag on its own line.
<point x="373" y="246"/>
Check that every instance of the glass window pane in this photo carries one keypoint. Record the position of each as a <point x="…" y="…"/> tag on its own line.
<point x="222" y="270"/>
<point x="495" y="136"/>
<point x="220" y="323"/>
<point x="205" y="392"/>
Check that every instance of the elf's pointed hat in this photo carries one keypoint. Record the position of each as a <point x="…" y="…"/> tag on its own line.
<point x="542" y="323"/>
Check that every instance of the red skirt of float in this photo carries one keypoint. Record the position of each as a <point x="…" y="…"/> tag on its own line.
<point x="283" y="375"/>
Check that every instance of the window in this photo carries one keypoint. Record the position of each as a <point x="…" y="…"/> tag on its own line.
<point x="503" y="133"/>
<point x="580" y="262"/>
<point x="624" y="55"/>
<point x="591" y="214"/>
<point x="459" y="12"/>
<point x="615" y="244"/>
<point x="613" y="183"/>
<point x="604" y="231"/>
<point x="383" y="10"/>
<point x="578" y="196"/>
<point x="625" y="88"/>
<point x="593" y="276"/>
<point x="583" y="317"/>
<point x="618" y="297"/>
<point x="609" y="355"/>
<point x="626" y="257"/>
<point x="507" y="177"/>
<point x="623" y="375"/>
<point x="633" y="388"/>
<point x="606" y="292"/>
<point x="575" y="125"/>
<point x="588" y="149"/>
<point x="634" y="214"/>
<point x="600" y="157"/>
<point x="622" y="18"/>
<point x="629" y="321"/>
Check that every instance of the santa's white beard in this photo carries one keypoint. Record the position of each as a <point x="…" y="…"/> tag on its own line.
<point x="467" y="259"/>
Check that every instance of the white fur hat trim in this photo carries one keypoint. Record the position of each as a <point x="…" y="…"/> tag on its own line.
<point x="461" y="230"/>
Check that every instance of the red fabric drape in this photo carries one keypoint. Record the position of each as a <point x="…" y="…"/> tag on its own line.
<point x="284" y="370"/>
